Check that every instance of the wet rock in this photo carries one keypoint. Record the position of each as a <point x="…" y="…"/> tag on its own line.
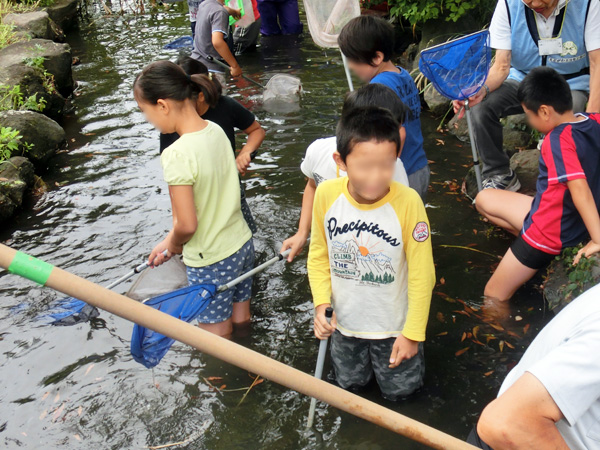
<point x="64" y="13"/>
<point x="458" y="127"/>
<point x="57" y="60"/>
<point x="526" y="164"/>
<point x="558" y="287"/>
<point x="34" y="25"/>
<point x="43" y="133"/>
<point x="31" y="82"/>
<point x="469" y="187"/>
<point x="16" y="177"/>
<point x="515" y="140"/>
<point x="517" y="122"/>
<point x="437" y="103"/>
<point x="517" y="134"/>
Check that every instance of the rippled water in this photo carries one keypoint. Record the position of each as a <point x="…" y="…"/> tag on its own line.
<point x="79" y="387"/>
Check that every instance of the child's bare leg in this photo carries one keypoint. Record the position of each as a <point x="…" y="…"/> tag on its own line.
<point x="241" y="313"/>
<point x="508" y="277"/>
<point x="504" y="208"/>
<point x="223" y="329"/>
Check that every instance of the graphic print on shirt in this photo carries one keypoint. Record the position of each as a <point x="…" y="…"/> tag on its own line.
<point x="358" y="252"/>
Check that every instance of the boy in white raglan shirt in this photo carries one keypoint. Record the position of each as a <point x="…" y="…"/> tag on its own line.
<point x="370" y="258"/>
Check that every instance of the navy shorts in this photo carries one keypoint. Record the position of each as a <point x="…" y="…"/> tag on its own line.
<point x="221" y="307"/>
<point x="530" y="256"/>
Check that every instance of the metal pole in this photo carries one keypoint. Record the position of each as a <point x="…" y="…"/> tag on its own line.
<point x="473" y="147"/>
<point x="319" y="369"/>
<point x="257" y="269"/>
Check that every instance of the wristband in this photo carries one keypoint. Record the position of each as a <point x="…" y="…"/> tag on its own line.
<point x="487" y="91"/>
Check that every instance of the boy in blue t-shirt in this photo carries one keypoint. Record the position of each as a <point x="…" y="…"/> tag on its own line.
<point x="368" y="43"/>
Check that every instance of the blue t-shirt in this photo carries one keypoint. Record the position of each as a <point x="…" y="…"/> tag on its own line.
<point x="413" y="156"/>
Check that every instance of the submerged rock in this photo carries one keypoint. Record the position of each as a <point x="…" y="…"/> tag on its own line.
<point x="16" y="177"/>
<point x="34" y="25"/>
<point x="43" y="133"/>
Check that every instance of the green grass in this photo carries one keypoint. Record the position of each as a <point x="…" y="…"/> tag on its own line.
<point x="7" y="35"/>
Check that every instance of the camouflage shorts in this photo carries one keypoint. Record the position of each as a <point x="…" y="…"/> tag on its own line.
<point x="355" y="360"/>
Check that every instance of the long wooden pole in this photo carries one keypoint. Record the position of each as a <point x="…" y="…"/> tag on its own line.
<point x="224" y="349"/>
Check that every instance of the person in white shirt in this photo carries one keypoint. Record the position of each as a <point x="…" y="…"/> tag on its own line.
<point x="318" y="164"/>
<point x="551" y="399"/>
<point x="561" y="34"/>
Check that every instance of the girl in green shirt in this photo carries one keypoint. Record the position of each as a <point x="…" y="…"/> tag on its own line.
<point x="200" y="169"/>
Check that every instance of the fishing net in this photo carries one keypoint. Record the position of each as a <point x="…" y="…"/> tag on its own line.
<point x="458" y="68"/>
<point x="69" y="311"/>
<point x="181" y="42"/>
<point x="282" y="87"/>
<point x="148" y="347"/>
<point x="326" y="18"/>
<point x="159" y="280"/>
<point x="245" y="7"/>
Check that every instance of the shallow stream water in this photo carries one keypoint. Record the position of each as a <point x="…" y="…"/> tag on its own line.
<point x="78" y="387"/>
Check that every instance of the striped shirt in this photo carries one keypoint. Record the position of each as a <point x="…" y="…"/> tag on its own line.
<point x="570" y="151"/>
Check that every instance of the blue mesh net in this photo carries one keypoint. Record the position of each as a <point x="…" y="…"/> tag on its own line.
<point x="182" y="42"/>
<point x="68" y="311"/>
<point x="458" y="68"/>
<point x="149" y="347"/>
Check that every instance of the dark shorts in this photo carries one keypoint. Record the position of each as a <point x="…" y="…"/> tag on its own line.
<point x="530" y="256"/>
<point x="221" y="307"/>
<point x="356" y="360"/>
<point x="475" y="440"/>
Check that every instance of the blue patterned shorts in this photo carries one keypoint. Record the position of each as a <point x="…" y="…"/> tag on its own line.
<point x="219" y="273"/>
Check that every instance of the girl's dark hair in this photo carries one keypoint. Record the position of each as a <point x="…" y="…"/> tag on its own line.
<point x="192" y="66"/>
<point x="545" y="86"/>
<point x="366" y="124"/>
<point x="166" y="80"/>
<point x="364" y="36"/>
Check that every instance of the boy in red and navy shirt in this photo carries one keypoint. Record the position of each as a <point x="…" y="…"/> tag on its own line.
<point x="564" y="211"/>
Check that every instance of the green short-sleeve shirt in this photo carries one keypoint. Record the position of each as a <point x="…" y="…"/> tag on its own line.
<point x="204" y="160"/>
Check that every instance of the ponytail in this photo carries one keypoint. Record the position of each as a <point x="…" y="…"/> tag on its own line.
<point x="167" y="80"/>
<point x="205" y="84"/>
<point x="193" y="67"/>
<point x="163" y="80"/>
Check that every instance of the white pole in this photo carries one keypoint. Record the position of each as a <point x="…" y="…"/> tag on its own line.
<point x="348" y="76"/>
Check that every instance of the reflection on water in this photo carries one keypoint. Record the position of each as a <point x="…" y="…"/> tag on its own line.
<point x="78" y="386"/>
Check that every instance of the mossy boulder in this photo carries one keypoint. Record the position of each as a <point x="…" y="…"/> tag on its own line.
<point x="34" y="25"/>
<point x="43" y="133"/>
<point x="559" y="289"/>
<point x="64" y="13"/>
<point x="57" y="60"/>
<point x="16" y="177"/>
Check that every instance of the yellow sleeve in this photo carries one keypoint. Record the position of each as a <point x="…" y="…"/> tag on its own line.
<point x="319" y="272"/>
<point x="178" y="170"/>
<point x="416" y="235"/>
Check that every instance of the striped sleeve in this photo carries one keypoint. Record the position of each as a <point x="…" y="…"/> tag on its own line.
<point x="560" y="154"/>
